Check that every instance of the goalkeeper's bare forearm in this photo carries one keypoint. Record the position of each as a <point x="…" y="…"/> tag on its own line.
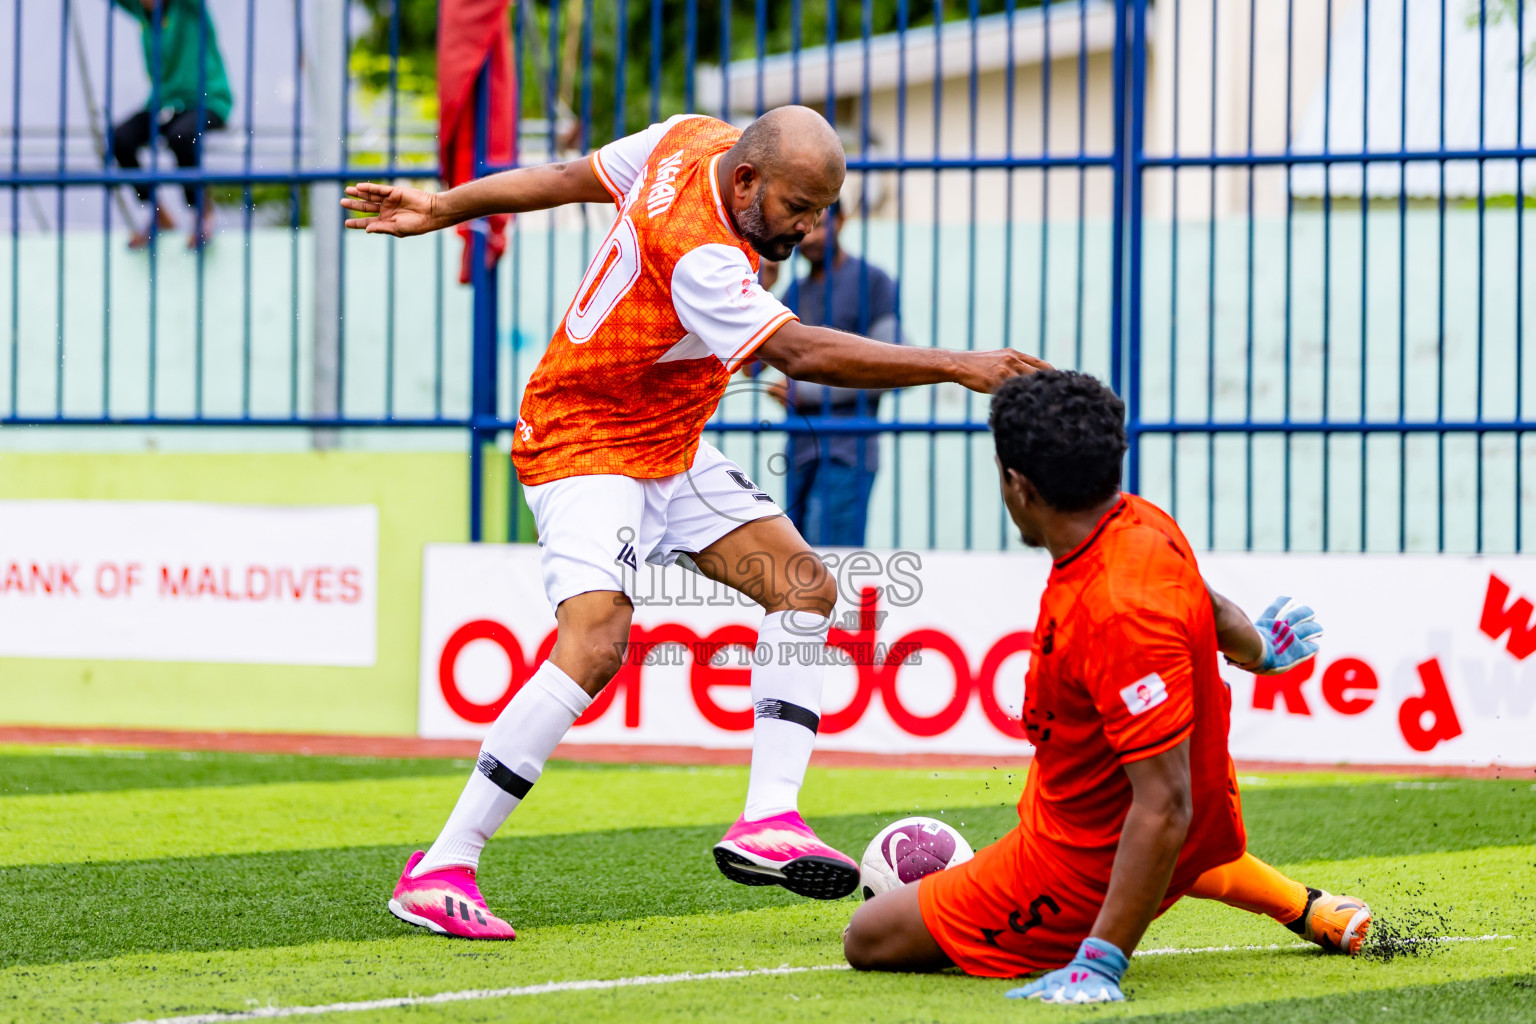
<point x="402" y="212"/>
<point x="1236" y="637"/>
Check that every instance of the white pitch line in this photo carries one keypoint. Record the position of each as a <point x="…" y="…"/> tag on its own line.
<point x="467" y="995"/>
<point x="599" y="984"/>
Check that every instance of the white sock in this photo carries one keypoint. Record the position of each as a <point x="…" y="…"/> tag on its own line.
<point x="511" y="760"/>
<point x="787" y="695"/>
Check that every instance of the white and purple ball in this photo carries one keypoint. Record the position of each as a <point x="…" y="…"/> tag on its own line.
<point x="908" y="849"/>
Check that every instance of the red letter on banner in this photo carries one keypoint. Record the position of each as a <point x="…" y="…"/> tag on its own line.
<point x="986" y="682"/>
<point x="501" y="636"/>
<point x="926" y="641"/>
<point x="1436" y="701"/>
<point x="1516" y="619"/>
<point x="860" y="648"/>
<point x="705" y="674"/>
<point x="1343" y="676"/>
<point x="1287" y="686"/>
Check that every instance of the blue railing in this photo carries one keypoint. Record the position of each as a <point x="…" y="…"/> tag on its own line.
<point x="1305" y="275"/>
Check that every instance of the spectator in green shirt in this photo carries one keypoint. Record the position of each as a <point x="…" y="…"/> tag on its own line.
<point x="189" y="95"/>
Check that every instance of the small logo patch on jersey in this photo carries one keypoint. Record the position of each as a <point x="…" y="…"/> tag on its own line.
<point x="746" y="296"/>
<point x="1144" y="694"/>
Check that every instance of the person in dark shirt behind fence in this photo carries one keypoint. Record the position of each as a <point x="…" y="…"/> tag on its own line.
<point x="186" y="90"/>
<point x="830" y="476"/>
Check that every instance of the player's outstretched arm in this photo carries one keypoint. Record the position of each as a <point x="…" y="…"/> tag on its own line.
<point x="1276" y="642"/>
<point x="401" y="211"/>
<point x="824" y="356"/>
<point x="1150" y="841"/>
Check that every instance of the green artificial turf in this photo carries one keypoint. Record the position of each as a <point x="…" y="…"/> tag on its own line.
<point x="145" y="887"/>
<point x="81" y="770"/>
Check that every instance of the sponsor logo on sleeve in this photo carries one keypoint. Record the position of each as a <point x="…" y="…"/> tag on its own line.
<point x="1144" y="694"/>
<point x="663" y="192"/>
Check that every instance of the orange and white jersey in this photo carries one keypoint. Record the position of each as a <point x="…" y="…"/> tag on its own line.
<point x="668" y="310"/>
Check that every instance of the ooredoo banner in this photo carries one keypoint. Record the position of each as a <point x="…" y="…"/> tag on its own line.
<point x="1426" y="659"/>
<point x="189" y="581"/>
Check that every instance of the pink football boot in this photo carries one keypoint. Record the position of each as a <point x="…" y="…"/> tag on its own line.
<point x="447" y="902"/>
<point x="782" y="850"/>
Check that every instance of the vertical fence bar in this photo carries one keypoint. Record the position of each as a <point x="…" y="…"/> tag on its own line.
<point x="63" y="138"/>
<point x="295" y="209"/>
<point x="725" y="65"/>
<point x="620" y="71"/>
<point x="107" y="194"/>
<point x="584" y="122"/>
<point x="1173" y="269"/>
<point x="199" y="221"/>
<point x="341" y="232"/>
<point x="1118" y="257"/>
<point x="1132" y="162"/>
<point x="1365" y="280"/>
<point x="1290" y="211"/>
<point x="515" y="258"/>
<point x="1327" y="438"/>
<point x="1010" y="8"/>
<point x="933" y="327"/>
<point x="247" y="209"/>
<point x="1482" y="211"/>
<point x="655" y="60"/>
<point x="760" y="46"/>
<point x="1519" y="279"/>
<point x="1210" y="298"/>
<point x="901" y="240"/>
<point x="391" y="249"/>
<point x="1045" y="172"/>
<point x="483" y="409"/>
<point x="551" y="115"/>
<point x="970" y="320"/>
<point x="864" y="407"/>
<point x="796" y="25"/>
<point x="1440" y="307"/>
<point x="1253" y="31"/>
<point x="157" y="70"/>
<point x="691" y="50"/>
<point x="1082" y="169"/>
<point x="1402" y="286"/>
<point x="15" y="208"/>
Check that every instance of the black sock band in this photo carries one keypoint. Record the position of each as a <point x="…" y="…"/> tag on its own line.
<point x="503" y="776"/>
<point x="1299" y="926"/>
<point x="785" y="711"/>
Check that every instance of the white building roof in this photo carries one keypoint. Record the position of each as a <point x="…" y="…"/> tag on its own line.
<point x="1358" y="118"/>
<point x="1065" y="26"/>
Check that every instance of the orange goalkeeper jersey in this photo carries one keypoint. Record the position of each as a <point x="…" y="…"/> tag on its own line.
<point x="1124" y="667"/>
<point x="669" y="308"/>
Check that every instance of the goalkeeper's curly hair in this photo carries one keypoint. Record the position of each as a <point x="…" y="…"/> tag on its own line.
<point x="1065" y="432"/>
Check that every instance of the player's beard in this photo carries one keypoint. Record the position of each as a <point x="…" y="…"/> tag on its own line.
<point x="753" y="225"/>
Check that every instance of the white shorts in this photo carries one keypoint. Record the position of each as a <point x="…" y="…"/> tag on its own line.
<point x="596" y="530"/>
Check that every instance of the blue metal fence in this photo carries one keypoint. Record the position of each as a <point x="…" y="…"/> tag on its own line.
<point x="1302" y="265"/>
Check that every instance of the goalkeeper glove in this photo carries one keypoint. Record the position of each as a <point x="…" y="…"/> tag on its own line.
<point x="1289" y="639"/>
<point x="1093" y="976"/>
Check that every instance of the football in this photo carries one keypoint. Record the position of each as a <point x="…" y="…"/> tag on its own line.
<point x="908" y="849"/>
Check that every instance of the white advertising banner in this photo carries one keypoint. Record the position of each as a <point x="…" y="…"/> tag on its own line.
<point x="1426" y="659"/>
<point x="187" y="581"/>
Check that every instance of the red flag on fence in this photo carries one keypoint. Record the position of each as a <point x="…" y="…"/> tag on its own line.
<point x="471" y="33"/>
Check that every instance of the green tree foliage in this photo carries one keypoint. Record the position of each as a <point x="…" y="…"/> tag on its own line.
<point x="556" y="80"/>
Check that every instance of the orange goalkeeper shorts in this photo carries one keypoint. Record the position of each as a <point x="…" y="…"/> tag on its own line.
<point x="1012" y="909"/>
<point x="1008" y="910"/>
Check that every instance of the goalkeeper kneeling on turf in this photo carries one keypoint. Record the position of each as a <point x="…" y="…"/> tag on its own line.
<point x="1131" y="801"/>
